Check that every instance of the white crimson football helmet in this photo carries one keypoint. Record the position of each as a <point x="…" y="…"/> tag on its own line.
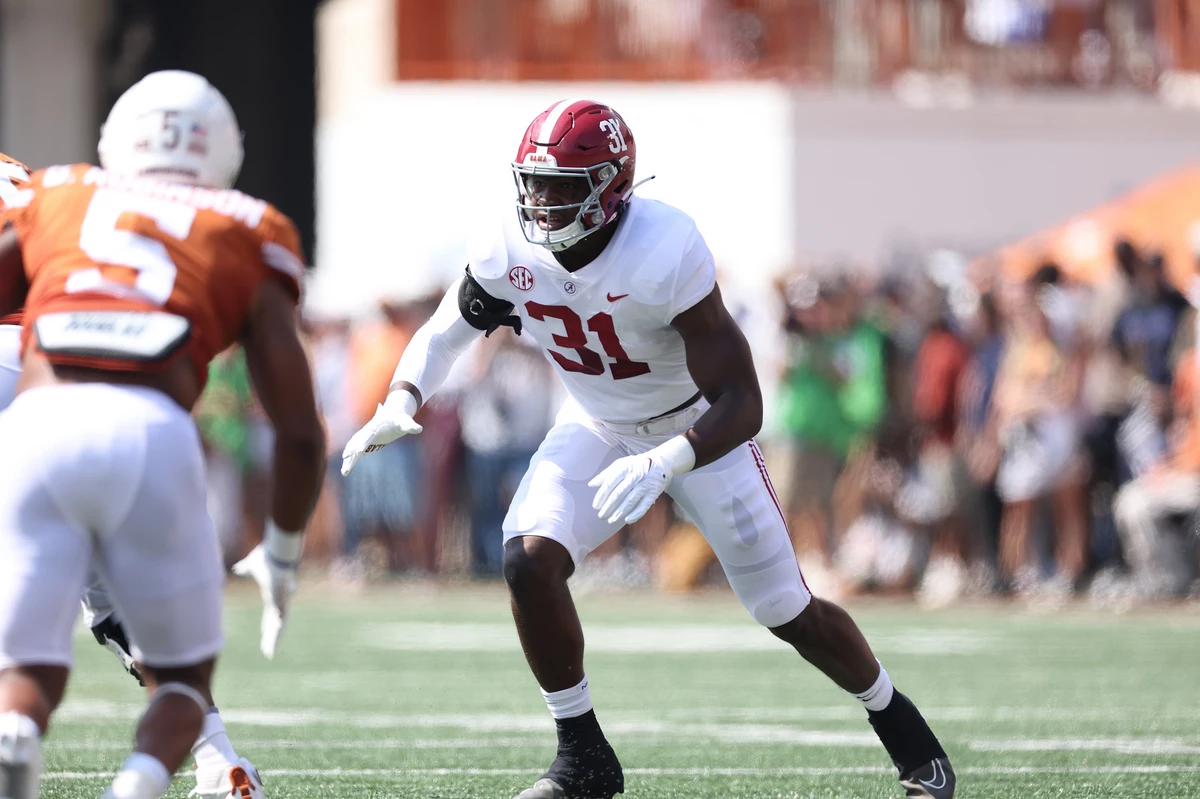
<point x="173" y="126"/>
<point x="576" y="139"/>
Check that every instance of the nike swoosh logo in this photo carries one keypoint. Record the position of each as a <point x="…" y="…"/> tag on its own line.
<point x="938" y="772"/>
<point x="611" y="298"/>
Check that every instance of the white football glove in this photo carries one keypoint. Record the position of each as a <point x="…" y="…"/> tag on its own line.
<point x="629" y="486"/>
<point x="392" y="420"/>
<point x="276" y="580"/>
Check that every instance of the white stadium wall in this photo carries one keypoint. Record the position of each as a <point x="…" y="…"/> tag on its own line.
<point x="769" y="175"/>
<point x="873" y="171"/>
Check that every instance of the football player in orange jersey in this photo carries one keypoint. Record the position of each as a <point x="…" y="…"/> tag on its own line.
<point x="213" y="750"/>
<point x="133" y="277"/>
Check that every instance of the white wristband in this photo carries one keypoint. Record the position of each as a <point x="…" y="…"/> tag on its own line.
<point x="402" y="400"/>
<point x="676" y="455"/>
<point x="282" y="546"/>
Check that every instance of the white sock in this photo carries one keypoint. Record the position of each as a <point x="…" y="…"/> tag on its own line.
<point x="879" y="695"/>
<point x="213" y="750"/>
<point x="141" y="777"/>
<point x="21" y="746"/>
<point x="570" y="702"/>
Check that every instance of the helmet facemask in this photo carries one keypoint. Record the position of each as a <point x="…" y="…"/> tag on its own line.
<point x="589" y="214"/>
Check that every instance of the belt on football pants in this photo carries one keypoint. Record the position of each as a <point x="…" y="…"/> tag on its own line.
<point x="673" y="421"/>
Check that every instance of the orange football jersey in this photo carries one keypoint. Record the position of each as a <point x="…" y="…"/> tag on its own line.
<point x="13" y="176"/>
<point x="95" y="242"/>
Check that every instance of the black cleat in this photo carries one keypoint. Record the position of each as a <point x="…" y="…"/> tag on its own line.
<point x="590" y="775"/>
<point x="586" y="766"/>
<point x="111" y="635"/>
<point x="934" y="780"/>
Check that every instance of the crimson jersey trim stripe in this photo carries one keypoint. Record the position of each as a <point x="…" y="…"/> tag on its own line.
<point x="761" y="463"/>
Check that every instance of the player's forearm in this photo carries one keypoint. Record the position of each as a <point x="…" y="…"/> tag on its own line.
<point x="734" y="418"/>
<point x="427" y="361"/>
<point x="720" y="363"/>
<point x="299" y="470"/>
<point x="434" y="348"/>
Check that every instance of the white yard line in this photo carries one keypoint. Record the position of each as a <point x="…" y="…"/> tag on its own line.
<point x="1123" y="746"/>
<point x="658" y="638"/>
<point x="251" y="745"/>
<point x="685" y="772"/>
<point x="488" y="727"/>
<point x="732" y="736"/>
<point x="680" y="718"/>
<point x="853" y="712"/>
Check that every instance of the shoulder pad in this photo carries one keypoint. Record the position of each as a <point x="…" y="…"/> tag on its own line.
<point x="487" y="251"/>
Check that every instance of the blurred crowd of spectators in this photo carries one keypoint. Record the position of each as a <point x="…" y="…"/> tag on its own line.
<point x="956" y="437"/>
<point x="931" y="431"/>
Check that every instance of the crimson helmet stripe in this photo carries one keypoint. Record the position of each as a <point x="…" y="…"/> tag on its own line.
<point x="546" y="134"/>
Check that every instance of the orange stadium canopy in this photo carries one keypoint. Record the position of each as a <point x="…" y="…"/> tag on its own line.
<point x="1156" y="217"/>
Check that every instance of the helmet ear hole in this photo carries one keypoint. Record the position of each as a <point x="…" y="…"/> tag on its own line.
<point x="621" y="187"/>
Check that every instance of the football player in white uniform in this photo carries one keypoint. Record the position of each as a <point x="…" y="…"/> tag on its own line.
<point x="621" y="293"/>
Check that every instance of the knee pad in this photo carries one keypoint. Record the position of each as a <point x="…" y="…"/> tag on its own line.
<point x="182" y="689"/>
<point x="773" y="591"/>
<point x="20" y="756"/>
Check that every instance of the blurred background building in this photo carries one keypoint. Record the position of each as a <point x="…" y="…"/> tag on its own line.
<point x="961" y="235"/>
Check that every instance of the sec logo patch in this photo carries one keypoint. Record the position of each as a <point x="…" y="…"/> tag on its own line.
<point x="521" y="277"/>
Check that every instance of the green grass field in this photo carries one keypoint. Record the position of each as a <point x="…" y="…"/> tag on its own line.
<point x="424" y="692"/>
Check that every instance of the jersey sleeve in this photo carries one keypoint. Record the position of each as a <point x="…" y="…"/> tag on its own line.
<point x="281" y="254"/>
<point x="693" y="280"/>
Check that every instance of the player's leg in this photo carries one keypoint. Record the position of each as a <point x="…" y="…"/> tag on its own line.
<point x="549" y="529"/>
<point x="213" y="750"/>
<point x="43" y="558"/>
<point x="162" y="567"/>
<point x="28" y="695"/>
<point x="734" y="505"/>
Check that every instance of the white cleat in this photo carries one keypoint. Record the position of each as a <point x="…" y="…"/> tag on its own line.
<point x="20" y="756"/>
<point x="241" y="781"/>
<point x="543" y="789"/>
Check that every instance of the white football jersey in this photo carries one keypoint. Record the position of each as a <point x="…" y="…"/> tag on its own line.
<point x="607" y="327"/>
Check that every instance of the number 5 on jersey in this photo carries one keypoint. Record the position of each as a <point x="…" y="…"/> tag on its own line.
<point x="104" y="242"/>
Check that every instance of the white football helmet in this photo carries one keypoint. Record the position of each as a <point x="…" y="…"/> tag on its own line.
<point x="174" y="126"/>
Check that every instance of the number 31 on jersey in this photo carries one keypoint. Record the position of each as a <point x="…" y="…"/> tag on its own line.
<point x="574" y="338"/>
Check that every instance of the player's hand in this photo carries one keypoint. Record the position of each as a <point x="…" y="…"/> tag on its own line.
<point x="627" y="488"/>
<point x="277" y="584"/>
<point x="390" y="422"/>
